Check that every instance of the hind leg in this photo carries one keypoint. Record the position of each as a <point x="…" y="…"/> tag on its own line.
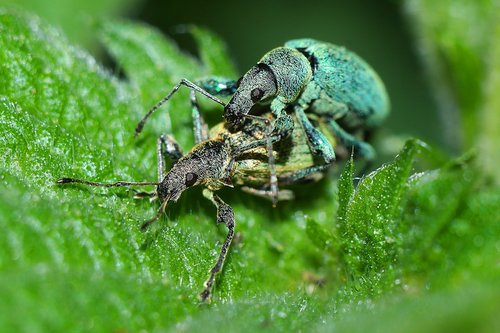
<point x="360" y="148"/>
<point x="307" y="174"/>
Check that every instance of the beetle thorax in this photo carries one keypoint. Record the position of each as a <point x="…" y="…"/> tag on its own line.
<point x="291" y="69"/>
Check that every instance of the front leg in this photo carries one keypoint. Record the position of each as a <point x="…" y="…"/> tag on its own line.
<point x="225" y="215"/>
<point x="219" y="86"/>
<point x="282" y="128"/>
<point x="166" y="146"/>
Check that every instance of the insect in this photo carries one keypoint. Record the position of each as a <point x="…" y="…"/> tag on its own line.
<point x="309" y="77"/>
<point x="320" y="95"/>
<point x="224" y="158"/>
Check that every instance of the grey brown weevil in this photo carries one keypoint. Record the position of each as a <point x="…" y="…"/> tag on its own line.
<point x="224" y="158"/>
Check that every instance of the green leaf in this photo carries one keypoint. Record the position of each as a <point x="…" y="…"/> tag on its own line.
<point x="42" y="76"/>
<point x="346" y="191"/>
<point x="459" y="44"/>
<point x="471" y="309"/>
<point x="75" y="18"/>
<point x="63" y="115"/>
<point x="152" y="62"/>
<point x="369" y="233"/>
<point x="489" y="117"/>
<point x="323" y="239"/>
<point x="452" y="217"/>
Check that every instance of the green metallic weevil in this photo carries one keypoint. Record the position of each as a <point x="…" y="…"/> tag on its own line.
<point x="223" y="158"/>
<point x="308" y="77"/>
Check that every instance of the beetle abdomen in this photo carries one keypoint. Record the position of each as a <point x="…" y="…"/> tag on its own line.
<point x="347" y="79"/>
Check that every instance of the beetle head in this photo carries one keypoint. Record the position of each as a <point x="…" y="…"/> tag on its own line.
<point x="207" y="162"/>
<point x="258" y="84"/>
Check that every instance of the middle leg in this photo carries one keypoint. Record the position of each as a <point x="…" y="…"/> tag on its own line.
<point x="305" y="174"/>
<point x="166" y="146"/>
<point x="317" y="141"/>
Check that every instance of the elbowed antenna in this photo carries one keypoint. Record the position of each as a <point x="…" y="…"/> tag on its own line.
<point x="183" y="82"/>
<point x="155" y="218"/>
<point x="116" y="184"/>
<point x="120" y="184"/>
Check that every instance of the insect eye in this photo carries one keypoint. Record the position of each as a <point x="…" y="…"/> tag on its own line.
<point x="191" y="178"/>
<point x="256" y="94"/>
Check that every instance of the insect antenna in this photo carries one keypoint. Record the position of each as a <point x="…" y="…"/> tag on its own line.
<point x="116" y="184"/>
<point x="183" y="82"/>
<point x="155" y="218"/>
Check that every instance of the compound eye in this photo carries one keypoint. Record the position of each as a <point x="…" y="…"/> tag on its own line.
<point x="191" y="179"/>
<point x="256" y="94"/>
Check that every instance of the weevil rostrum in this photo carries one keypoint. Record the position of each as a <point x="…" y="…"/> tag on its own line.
<point x="320" y="95"/>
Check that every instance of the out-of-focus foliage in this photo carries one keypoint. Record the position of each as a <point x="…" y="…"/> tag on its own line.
<point x="74" y="17"/>
<point x="458" y="41"/>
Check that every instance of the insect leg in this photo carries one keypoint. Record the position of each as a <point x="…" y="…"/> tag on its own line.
<point x="310" y="173"/>
<point x="225" y="215"/>
<point x="273" y="180"/>
<point x="361" y="148"/>
<point x="166" y="146"/>
<point x="268" y="142"/>
<point x="200" y="128"/>
<point x="318" y="143"/>
<point x="182" y="82"/>
<point x="281" y="195"/>
<point x="282" y="127"/>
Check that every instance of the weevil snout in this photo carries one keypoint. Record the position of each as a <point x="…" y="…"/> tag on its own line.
<point x="207" y="162"/>
<point x="175" y="182"/>
<point x="234" y="116"/>
<point x="258" y="84"/>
